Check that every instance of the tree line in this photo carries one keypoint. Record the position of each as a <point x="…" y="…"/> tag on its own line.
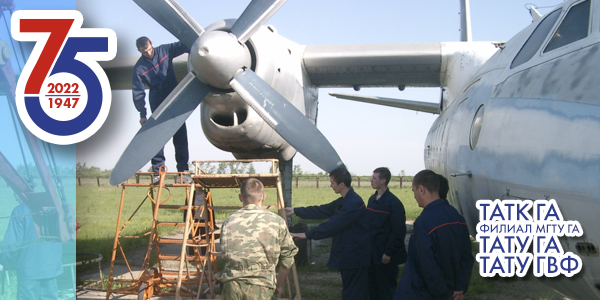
<point x="231" y="167"/>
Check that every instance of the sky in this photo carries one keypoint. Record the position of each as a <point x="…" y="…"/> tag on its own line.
<point x="365" y="136"/>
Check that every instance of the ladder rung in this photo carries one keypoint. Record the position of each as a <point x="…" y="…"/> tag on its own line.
<point x="184" y="273"/>
<point x="174" y="281"/>
<point x="180" y="241"/>
<point x="178" y="257"/>
<point x="179" y="224"/>
<point x="237" y="207"/>
<point x="182" y="207"/>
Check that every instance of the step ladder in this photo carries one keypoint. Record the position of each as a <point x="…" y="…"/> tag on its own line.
<point x="195" y="274"/>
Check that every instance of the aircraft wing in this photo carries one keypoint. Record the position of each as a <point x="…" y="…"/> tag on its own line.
<point x="365" y="65"/>
<point x="358" y="65"/>
<point x="375" y="65"/>
<point x="120" y="70"/>
<point x="429" y="107"/>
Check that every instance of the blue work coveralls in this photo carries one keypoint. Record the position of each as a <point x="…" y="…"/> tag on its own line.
<point x="37" y="262"/>
<point x="350" y="247"/>
<point x="388" y="229"/>
<point x="439" y="255"/>
<point x="158" y="74"/>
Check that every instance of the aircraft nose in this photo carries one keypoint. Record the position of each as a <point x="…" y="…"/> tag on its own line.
<point x="217" y="56"/>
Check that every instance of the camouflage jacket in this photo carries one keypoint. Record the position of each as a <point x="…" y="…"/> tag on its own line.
<point x="253" y="241"/>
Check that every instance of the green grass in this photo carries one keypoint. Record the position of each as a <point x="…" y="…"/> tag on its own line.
<point x="313" y="196"/>
<point x="97" y="211"/>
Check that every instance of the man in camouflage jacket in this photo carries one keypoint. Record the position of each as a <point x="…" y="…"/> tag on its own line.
<point x="253" y="241"/>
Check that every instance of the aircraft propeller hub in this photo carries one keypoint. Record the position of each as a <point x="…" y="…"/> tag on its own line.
<point x="217" y="56"/>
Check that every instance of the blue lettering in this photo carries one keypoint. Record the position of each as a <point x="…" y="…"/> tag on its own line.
<point x="538" y="205"/>
<point x="523" y="264"/>
<point x="552" y="268"/>
<point x="484" y="205"/>
<point x="509" y="206"/>
<point x="521" y="210"/>
<point x="497" y="212"/>
<point x="522" y="244"/>
<point x="550" y="214"/>
<point x="552" y="245"/>
<point x="497" y="242"/>
<point x="497" y="265"/>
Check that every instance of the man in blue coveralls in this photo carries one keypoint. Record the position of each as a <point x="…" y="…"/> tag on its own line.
<point x="388" y="230"/>
<point x="38" y="262"/>
<point x="155" y="70"/>
<point x="348" y="225"/>
<point x="439" y="252"/>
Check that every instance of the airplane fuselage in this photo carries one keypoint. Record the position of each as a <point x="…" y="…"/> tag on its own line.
<point x="530" y="132"/>
<point x="517" y="120"/>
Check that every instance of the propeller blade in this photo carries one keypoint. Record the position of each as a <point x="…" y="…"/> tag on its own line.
<point x="160" y="127"/>
<point x="173" y="18"/>
<point x="286" y="120"/>
<point x="254" y="16"/>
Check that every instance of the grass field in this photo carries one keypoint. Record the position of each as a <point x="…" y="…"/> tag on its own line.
<point x="97" y="212"/>
<point x="97" y="209"/>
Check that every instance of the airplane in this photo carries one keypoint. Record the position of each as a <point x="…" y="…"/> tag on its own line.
<point x="516" y="120"/>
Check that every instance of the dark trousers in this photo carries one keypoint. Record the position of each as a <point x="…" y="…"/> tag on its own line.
<point x="182" y="155"/>
<point x="382" y="281"/>
<point x="355" y="284"/>
<point x="41" y="289"/>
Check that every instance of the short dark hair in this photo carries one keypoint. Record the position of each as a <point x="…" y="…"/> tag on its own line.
<point x="340" y="175"/>
<point x="142" y="41"/>
<point x="384" y="173"/>
<point x="444" y="187"/>
<point x="427" y="179"/>
<point x="252" y="190"/>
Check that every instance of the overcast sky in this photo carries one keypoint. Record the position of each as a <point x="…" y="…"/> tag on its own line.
<point x="366" y="136"/>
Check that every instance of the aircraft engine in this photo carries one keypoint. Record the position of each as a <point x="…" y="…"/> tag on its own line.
<point x="227" y="121"/>
<point x="229" y="61"/>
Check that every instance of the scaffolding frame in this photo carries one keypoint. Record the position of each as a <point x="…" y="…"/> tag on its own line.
<point x="201" y="280"/>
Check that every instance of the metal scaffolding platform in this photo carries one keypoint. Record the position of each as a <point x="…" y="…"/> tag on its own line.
<point x="197" y="266"/>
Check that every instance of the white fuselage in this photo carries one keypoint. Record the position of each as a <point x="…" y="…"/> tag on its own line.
<point x="537" y="139"/>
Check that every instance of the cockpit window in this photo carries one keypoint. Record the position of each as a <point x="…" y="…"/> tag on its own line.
<point x="536" y="39"/>
<point x="574" y="27"/>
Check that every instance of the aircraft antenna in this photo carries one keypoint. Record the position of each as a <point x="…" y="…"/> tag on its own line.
<point x="465" y="21"/>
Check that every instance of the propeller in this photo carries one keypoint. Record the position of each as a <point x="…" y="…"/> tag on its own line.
<point x="217" y="59"/>
<point x="160" y="127"/>
<point x="173" y="18"/>
<point x="286" y="120"/>
<point x="254" y="16"/>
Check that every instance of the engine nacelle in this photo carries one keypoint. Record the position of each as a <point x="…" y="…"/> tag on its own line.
<point x="228" y="122"/>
